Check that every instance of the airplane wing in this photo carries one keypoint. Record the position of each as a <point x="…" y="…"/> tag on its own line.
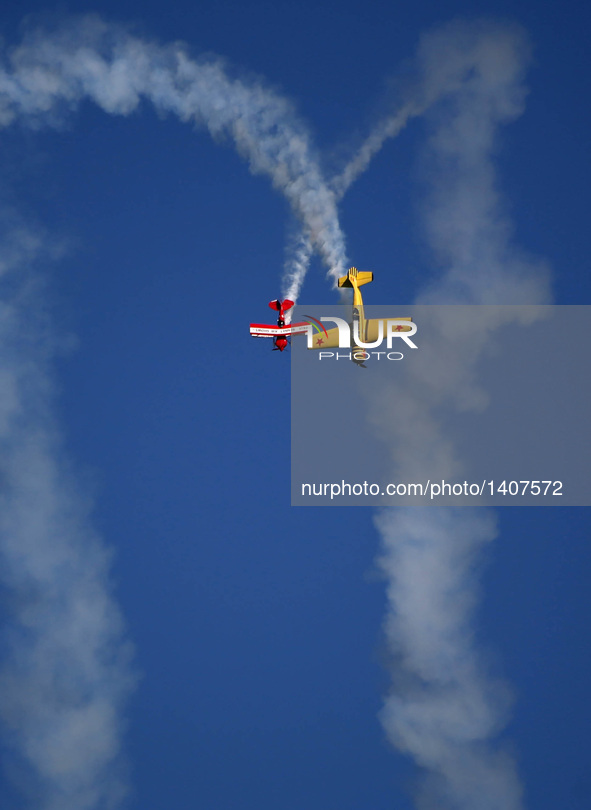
<point x="326" y="340"/>
<point x="330" y="339"/>
<point x="266" y="330"/>
<point x="372" y="328"/>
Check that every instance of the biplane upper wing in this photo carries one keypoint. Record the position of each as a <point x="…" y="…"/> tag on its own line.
<point x="267" y="330"/>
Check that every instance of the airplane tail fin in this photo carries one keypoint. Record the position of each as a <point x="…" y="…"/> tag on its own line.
<point x="360" y="276"/>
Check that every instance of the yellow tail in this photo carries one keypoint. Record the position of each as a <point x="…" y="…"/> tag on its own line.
<point x="359" y="276"/>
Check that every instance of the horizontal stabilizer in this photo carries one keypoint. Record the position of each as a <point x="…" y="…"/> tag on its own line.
<point x="360" y="276"/>
<point x="281" y="305"/>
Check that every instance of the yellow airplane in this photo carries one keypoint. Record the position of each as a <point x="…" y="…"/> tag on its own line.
<point x="362" y="330"/>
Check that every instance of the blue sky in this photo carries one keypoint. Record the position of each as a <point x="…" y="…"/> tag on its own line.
<point x="257" y="627"/>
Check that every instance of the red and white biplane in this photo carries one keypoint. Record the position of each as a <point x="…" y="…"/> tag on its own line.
<point x="281" y="332"/>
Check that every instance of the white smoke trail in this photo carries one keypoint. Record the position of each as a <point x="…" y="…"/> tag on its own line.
<point x="444" y="708"/>
<point x="475" y="61"/>
<point x="51" y="74"/>
<point x="482" y="52"/>
<point x="299" y="253"/>
<point x="303" y="246"/>
<point x="65" y="670"/>
<point x="388" y="127"/>
<point x="466" y="224"/>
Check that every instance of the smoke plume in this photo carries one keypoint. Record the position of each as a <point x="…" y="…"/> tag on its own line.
<point x="445" y="709"/>
<point x="50" y="75"/>
<point x="65" y="665"/>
